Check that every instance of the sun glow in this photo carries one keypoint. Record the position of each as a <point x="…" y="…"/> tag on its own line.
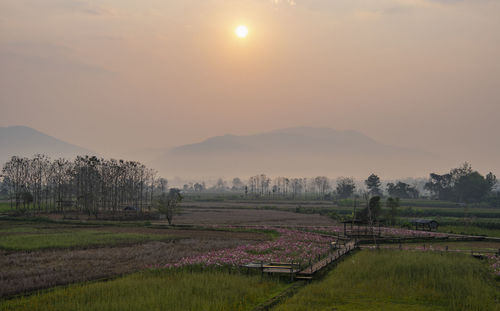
<point x="241" y="31"/>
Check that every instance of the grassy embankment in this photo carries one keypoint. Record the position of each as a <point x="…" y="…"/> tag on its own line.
<point x="402" y="280"/>
<point x="157" y="290"/>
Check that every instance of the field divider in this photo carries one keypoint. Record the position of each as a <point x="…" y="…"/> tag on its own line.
<point x="281" y="297"/>
<point x="298" y="284"/>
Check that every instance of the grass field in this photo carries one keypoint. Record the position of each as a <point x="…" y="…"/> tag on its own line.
<point x="470" y="230"/>
<point x="157" y="290"/>
<point x="483" y="247"/>
<point x="70" y="239"/>
<point x="4" y="207"/>
<point x="402" y="280"/>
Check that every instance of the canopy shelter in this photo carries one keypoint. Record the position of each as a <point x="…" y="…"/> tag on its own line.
<point x="357" y="228"/>
<point x="425" y="224"/>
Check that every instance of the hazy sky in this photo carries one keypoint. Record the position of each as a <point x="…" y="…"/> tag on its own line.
<point x="119" y="75"/>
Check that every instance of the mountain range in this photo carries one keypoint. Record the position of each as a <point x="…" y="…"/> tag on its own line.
<point x="300" y="151"/>
<point x="26" y="141"/>
<point x="297" y="151"/>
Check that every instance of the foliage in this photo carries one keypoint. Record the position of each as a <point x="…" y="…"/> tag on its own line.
<point x="88" y="183"/>
<point x="167" y="203"/>
<point x="472" y="187"/>
<point x="402" y="190"/>
<point x="372" y="212"/>
<point x="461" y="184"/>
<point x="345" y="187"/>
<point x="373" y="185"/>
<point x="402" y="280"/>
<point x="392" y="210"/>
<point x="157" y="290"/>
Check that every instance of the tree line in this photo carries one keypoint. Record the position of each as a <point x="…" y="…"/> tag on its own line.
<point x="91" y="184"/>
<point x="88" y="184"/>
<point x="462" y="184"/>
<point x="320" y="187"/>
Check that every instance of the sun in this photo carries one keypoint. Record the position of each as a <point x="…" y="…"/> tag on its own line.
<point x="241" y="31"/>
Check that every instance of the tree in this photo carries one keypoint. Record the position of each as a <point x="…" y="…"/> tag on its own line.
<point x="402" y="190"/>
<point x="322" y="185"/>
<point x="162" y="185"/>
<point x="472" y="187"/>
<point x="296" y="185"/>
<point x="371" y="213"/>
<point x="264" y="183"/>
<point x="4" y="187"/>
<point x="461" y="184"/>
<point x="392" y="210"/>
<point x="345" y="187"/>
<point x="16" y="173"/>
<point x="89" y="184"/>
<point x="199" y="187"/>
<point x="220" y="185"/>
<point x="440" y="186"/>
<point x="237" y="184"/>
<point x="459" y="172"/>
<point x="491" y="179"/>
<point x="167" y="203"/>
<point x="373" y="185"/>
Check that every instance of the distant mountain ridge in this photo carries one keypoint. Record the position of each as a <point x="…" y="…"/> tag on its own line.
<point x="299" y="140"/>
<point x="26" y="141"/>
<point x="297" y="150"/>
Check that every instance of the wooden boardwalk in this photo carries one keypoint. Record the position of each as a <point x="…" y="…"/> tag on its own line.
<point x="334" y="256"/>
<point x="274" y="267"/>
<point x="293" y="269"/>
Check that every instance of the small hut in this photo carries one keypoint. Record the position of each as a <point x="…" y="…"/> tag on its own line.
<point x="425" y="224"/>
<point x="359" y="228"/>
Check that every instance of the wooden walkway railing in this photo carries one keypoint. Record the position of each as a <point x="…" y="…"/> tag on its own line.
<point x="334" y="256"/>
<point x="293" y="269"/>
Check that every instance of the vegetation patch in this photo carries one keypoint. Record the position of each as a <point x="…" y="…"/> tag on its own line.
<point x="470" y="230"/>
<point x="5" y="207"/>
<point x="402" y="280"/>
<point x="157" y="290"/>
<point x="73" y="239"/>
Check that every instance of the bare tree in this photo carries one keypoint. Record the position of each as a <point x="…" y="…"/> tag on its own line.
<point x="167" y="203"/>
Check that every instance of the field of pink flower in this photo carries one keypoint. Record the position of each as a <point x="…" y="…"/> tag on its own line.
<point x="495" y="264"/>
<point x="290" y="246"/>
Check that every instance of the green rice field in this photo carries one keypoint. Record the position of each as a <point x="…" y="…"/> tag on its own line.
<point x="402" y="280"/>
<point x="41" y="239"/>
<point x="157" y="290"/>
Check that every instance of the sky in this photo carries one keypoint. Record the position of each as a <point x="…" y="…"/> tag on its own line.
<point x="116" y="76"/>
